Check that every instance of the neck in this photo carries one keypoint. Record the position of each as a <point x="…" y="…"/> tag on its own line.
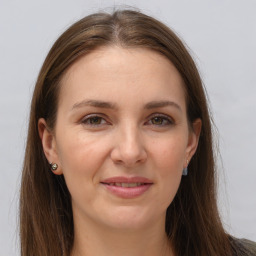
<point x="91" y="240"/>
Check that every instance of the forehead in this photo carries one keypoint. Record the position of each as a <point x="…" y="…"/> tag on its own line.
<point x="118" y="73"/>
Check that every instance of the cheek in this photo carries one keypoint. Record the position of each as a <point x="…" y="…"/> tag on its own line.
<point x="80" y="149"/>
<point x="168" y="163"/>
<point x="170" y="168"/>
<point x="170" y="155"/>
<point x="81" y="158"/>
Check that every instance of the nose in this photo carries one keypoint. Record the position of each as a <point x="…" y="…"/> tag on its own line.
<point x="128" y="149"/>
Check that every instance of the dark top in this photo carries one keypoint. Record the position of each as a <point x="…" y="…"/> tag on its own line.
<point x="243" y="247"/>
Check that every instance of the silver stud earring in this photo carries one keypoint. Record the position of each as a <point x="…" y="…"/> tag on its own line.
<point x="54" y="166"/>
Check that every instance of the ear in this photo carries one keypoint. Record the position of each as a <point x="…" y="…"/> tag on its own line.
<point x="49" y="144"/>
<point x="194" y="135"/>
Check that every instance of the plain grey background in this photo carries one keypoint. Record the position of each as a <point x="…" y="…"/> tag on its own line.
<point x="222" y="37"/>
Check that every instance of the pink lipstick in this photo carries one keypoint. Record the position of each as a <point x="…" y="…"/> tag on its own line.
<point x="127" y="187"/>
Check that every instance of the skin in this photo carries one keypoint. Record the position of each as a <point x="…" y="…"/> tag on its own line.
<point x="130" y="136"/>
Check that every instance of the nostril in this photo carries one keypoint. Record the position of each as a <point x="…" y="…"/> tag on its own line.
<point x="128" y="158"/>
<point x="128" y="148"/>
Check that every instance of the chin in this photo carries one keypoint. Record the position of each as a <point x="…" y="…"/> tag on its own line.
<point x="132" y="218"/>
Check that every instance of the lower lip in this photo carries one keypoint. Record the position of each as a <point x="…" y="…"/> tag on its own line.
<point x="127" y="193"/>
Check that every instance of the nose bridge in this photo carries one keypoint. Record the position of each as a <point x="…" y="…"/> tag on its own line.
<point x="131" y="139"/>
<point x="129" y="149"/>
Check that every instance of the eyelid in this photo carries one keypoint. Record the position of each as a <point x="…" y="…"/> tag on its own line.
<point x="89" y="116"/>
<point x="170" y="120"/>
<point x="103" y="117"/>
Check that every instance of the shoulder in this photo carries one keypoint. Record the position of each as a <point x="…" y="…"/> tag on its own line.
<point x="250" y="246"/>
<point x="243" y="247"/>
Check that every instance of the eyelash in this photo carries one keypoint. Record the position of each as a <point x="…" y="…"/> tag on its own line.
<point x="165" y="120"/>
<point x="87" y="120"/>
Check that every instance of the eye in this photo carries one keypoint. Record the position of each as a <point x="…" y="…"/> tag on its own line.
<point x="94" y="120"/>
<point x="160" y="120"/>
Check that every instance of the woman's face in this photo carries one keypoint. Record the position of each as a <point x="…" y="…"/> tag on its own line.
<point x="121" y="138"/>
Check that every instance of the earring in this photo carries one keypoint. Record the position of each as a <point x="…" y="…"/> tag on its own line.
<point x="185" y="170"/>
<point x="53" y="166"/>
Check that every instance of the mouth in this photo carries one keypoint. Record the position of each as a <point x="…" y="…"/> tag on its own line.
<point x="127" y="187"/>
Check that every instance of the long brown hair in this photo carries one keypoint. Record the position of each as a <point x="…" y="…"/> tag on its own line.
<point x="46" y="222"/>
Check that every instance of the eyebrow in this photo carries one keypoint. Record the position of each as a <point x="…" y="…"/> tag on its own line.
<point x="161" y="104"/>
<point x="94" y="103"/>
<point x="109" y="105"/>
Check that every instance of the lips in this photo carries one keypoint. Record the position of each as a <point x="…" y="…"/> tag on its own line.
<point x="127" y="187"/>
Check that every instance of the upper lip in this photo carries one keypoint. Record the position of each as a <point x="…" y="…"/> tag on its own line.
<point x="121" y="179"/>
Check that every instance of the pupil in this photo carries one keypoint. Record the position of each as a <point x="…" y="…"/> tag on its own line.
<point x="157" y="120"/>
<point x="95" y="120"/>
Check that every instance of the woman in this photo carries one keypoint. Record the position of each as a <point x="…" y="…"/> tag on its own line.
<point x="119" y="157"/>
